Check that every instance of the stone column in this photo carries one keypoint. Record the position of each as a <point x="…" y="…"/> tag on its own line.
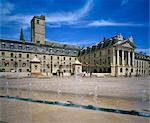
<point x="118" y="57"/>
<point x="123" y="57"/>
<point x="114" y="57"/>
<point x="133" y="58"/>
<point x="129" y="58"/>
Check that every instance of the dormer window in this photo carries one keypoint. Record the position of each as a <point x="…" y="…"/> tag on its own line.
<point x="27" y="47"/>
<point x="50" y="50"/>
<point x="20" y="47"/>
<point x="3" y="45"/>
<point x="57" y="50"/>
<point x="11" y="45"/>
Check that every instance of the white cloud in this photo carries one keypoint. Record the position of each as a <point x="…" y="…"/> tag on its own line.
<point x="53" y="19"/>
<point x="69" y="17"/>
<point x="147" y="51"/>
<point x="110" y="23"/>
<point x="124" y="2"/>
<point x="6" y="7"/>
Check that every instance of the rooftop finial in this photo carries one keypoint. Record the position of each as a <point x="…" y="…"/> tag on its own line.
<point x="120" y="37"/>
<point x="131" y="38"/>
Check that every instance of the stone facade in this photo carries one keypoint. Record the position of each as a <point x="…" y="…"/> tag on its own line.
<point x="16" y="54"/>
<point x="115" y="55"/>
<point x="38" y="29"/>
<point x="142" y="64"/>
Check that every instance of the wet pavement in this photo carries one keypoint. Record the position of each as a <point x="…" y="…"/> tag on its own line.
<point x="121" y="93"/>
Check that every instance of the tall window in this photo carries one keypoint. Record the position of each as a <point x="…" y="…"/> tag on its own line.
<point x="20" y="55"/>
<point x="100" y="53"/>
<point x="35" y="66"/>
<point x="3" y="53"/>
<point x="11" y="55"/>
<point x="51" y="57"/>
<point x="28" y="63"/>
<point x="20" y="63"/>
<point x="108" y="60"/>
<point x="37" y="21"/>
<point x="12" y="62"/>
<point x="27" y="55"/>
<point x="44" y="57"/>
<point x="108" y="51"/>
<point x="120" y="70"/>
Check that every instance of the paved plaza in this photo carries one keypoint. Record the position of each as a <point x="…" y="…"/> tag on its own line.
<point x="110" y="92"/>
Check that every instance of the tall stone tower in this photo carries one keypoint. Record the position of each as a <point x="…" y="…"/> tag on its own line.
<point x="38" y="29"/>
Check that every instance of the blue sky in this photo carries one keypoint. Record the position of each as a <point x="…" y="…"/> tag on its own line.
<point x="81" y="22"/>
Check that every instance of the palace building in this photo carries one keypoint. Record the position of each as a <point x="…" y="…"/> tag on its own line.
<point x="38" y="57"/>
<point x="115" y="56"/>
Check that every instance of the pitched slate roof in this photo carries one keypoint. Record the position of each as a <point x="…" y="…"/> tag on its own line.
<point x="114" y="41"/>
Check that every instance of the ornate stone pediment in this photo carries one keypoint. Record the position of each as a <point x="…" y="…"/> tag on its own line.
<point x="127" y="45"/>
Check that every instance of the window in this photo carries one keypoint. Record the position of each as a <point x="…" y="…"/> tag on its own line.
<point x="27" y="55"/>
<point x="57" y="58"/>
<point x="20" y="70"/>
<point x="100" y="53"/>
<point x="37" y="21"/>
<point x="120" y="70"/>
<point x="44" y="57"/>
<point x="64" y="58"/>
<point x="75" y="58"/>
<point x="35" y="66"/>
<point x="28" y="63"/>
<point x="94" y="55"/>
<point x="20" y="55"/>
<point x="11" y="54"/>
<point x="3" y="53"/>
<point x="11" y="45"/>
<point x="3" y="70"/>
<point x="51" y="57"/>
<point x="27" y="47"/>
<point x="64" y="71"/>
<point x="100" y="61"/>
<point x="27" y="70"/>
<point x="12" y="62"/>
<point x="38" y="42"/>
<point x="43" y="70"/>
<point x="20" y="63"/>
<point x="20" y="47"/>
<point x="3" y="45"/>
<point x="11" y="70"/>
<point x="131" y="70"/>
<point x="108" y="60"/>
<point x="108" y="51"/>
